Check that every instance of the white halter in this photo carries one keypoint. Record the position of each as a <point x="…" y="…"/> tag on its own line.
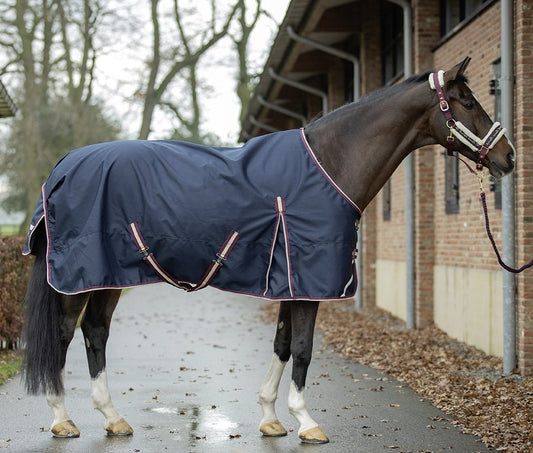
<point x="459" y="130"/>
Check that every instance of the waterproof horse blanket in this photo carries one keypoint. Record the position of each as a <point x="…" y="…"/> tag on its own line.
<point x="263" y="219"/>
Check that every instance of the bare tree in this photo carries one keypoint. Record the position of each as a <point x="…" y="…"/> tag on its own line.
<point x="245" y="78"/>
<point x="46" y="43"/>
<point x="184" y="55"/>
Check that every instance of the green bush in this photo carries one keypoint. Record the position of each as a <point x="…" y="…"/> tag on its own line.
<point x="14" y="272"/>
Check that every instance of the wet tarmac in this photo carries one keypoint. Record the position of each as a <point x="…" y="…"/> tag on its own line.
<point x="184" y="370"/>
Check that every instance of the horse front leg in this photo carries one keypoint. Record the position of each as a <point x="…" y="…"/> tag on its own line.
<point x="270" y="426"/>
<point x="71" y="308"/>
<point x="95" y="326"/>
<point x="303" y="316"/>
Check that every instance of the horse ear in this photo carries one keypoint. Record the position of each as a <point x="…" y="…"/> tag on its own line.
<point x="456" y="71"/>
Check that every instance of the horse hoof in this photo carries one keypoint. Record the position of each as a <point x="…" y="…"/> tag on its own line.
<point x="314" y="436"/>
<point x="273" y="429"/>
<point x="120" y="428"/>
<point x="65" y="429"/>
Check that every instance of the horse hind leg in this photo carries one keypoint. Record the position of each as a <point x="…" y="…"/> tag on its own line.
<point x="63" y="426"/>
<point x="49" y="324"/>
<point x="95" y="327"/>
<point x="270" y="426"/>
<point x="303" y="324"/>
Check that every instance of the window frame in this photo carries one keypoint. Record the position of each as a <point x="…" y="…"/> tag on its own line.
<point x="451" y="184"/>
<point x="467" y="13"/>
<point x="392" y="49"/>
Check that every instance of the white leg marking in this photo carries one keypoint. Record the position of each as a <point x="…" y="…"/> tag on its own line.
<point x="57" y="404"/>
<point x="102" y="398"/>
<point x="297" y="409"/>
<point x="268" y="392"/>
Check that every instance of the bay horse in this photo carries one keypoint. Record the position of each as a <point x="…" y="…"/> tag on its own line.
<point x="358" y="146"/>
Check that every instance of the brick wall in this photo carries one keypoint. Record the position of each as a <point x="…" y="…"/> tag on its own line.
<point x="391" y="233"/>
<point x="524" y="176"/>
<point x="426" y="33"/>
<point x="460" y="238"/>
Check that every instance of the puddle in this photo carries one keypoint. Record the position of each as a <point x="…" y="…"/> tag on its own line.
<point x="210" y="425"/>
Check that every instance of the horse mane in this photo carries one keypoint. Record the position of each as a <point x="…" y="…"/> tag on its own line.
<point x="386" y="91"/>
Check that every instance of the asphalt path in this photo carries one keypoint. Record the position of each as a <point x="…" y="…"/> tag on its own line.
<point x="184" y="370"/>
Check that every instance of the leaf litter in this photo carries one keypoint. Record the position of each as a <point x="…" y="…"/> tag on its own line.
<point x="461" y="380"/>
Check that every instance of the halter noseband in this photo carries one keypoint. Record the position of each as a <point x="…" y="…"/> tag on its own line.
<point x="479" y="145"/>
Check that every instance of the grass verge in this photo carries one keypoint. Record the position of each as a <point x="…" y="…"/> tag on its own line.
<point x="10" y="362"/>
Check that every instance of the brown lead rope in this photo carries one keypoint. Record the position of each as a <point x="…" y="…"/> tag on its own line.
<point x="483" y="197"/>
<point x="491" y="238"/>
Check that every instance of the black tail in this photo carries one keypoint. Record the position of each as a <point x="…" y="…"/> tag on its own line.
<point x="44" y="360"/>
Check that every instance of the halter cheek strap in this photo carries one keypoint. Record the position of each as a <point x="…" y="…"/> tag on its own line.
<point x="458" y="130"/>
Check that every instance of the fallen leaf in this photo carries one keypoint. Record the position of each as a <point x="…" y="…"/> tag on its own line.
<point x="459" y="379"/>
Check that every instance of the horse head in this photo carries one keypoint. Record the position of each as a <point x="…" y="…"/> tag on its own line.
<point x="459" y="123"/>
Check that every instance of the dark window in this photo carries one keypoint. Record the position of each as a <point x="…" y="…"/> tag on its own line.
<point x="454" y="12"/>
<point x="392" y="42"/>
<point x="348" y="82"/>
<point x="496" y="184"/>
<point x="451" y="177"/>
<point x="386" y="201"/>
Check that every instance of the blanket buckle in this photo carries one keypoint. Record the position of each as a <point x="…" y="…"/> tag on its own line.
<point x="144" y="251"/>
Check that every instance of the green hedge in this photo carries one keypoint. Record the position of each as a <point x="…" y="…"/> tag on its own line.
<point x="14" y="272"/>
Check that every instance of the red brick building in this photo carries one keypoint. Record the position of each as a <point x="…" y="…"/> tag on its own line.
<point x="328" y="52"/>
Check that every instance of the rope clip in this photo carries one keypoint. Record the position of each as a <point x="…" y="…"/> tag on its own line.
<point x="480" y="175"/>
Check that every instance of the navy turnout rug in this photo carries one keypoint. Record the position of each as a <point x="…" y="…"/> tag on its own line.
<point x="263" y="219"/>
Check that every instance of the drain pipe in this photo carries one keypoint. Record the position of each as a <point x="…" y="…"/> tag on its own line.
<point x="283" y="110"/>
<point x="508" y="195"/>
<point x="332" y="51"/>
<point x="303" y="87"/>
<point x="266" y="127"/>
<point x="410" y="318"/>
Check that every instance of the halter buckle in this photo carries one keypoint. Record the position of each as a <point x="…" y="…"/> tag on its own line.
<point x="144" y="251"/>
<point x="483" y="151"/>
<point x="444" y="106"/>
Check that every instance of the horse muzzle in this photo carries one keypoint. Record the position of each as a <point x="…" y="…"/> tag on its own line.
<point x="500" y="167"/>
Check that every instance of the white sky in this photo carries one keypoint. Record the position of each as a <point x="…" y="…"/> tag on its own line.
<point x="119" y="74"/>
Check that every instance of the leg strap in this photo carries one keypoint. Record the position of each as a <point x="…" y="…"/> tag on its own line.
<point x="209" y="274"/>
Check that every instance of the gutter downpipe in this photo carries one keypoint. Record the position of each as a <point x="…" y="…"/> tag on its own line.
<point x="282" y="110"/>
<point x="508" y="193"/>
<point x="356" y="94"/>
<point x="410" y="318"/>
<point x="266" y="127"/>
<point x="303" y="87"/>
<point x="332" y="51"/>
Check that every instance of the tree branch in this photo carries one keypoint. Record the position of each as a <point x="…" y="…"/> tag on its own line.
<point x="154" y="93"/>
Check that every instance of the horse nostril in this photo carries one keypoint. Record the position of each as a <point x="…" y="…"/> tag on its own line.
<point x="510" y="157"/>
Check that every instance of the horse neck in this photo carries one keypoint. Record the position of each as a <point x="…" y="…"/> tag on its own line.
<point x="361" y="144"/>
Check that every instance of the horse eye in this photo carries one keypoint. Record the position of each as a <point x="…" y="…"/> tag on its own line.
<point x="469" y="105"/>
